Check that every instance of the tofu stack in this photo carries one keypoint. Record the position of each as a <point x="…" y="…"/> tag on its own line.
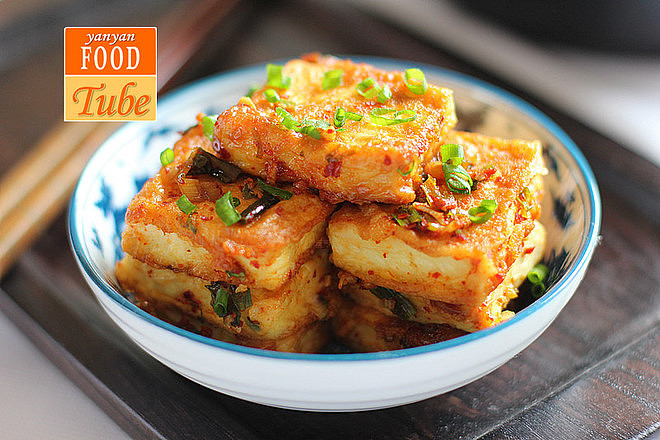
<point x="438" y="261"/>
<point x="394" y="228"/>
<point x="266" y="284"/>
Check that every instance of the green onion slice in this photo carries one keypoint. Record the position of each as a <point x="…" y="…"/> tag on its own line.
<point x="271" y="95"/>
<point x="251" y="91"/>
<point x="247" y="193"/>
<point x="224" y="208"/>
<point x="166" y="156"/>
<point x="219" y="299"/>
<point x="368" y="88"/>
<point x="279" y="192"/>
<point x="402" y="306"/>
<point x="409" y="170"/>
<point x="208" y="123"/>
<point x="452" y="153"/>
<point x="415" y="80"/>
<point x="483" y="212"/>
<point x="384" y="94"/>
<point x="185" y="205"/>
<point x="390" y="116"/>
<point x="287" y="118"/>
<point x="341" y="115"/>
<point x="235" y="274"/>
<point x="537" y="274"/>
<point x="242" y="300"/>
<point x="332" y="79"/>
<point x="457" y="178"/>
<point x="274" y="77"/>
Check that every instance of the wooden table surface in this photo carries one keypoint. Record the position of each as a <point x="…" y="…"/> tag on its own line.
<point x="595" y="373"/>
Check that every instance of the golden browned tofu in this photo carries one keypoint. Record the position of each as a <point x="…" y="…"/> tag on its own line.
<point x="266" y="252"/>
<point x="456" y="260"/>
<point x="361" y="161"/>
<point x="364" y="329"/>
<point x="251" y="314"/>
<point x="462" y="316"/>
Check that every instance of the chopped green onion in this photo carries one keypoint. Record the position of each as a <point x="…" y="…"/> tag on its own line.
<point x="332" y="79"/>
<point x="537" y="274"/>
<point x="368" y="88"/>
<point x="483" y="212"/>
<point x="402" y="306"/>
<point x="279" y="192"/>
<point x="341" y="115"/>
<point x="254" y="325"/>
<point x="271" y="95"/>
<point x="407" y="215"/>
<point x="224" y="207"/>
<point x="251" y="91"/>
<point x="219" y="299"/>
<point x="452" y="153"/>
<point x="378" y="116"/>
<point x="235" y="274"/>
<point x="415" y="81"/>
<point x="457" y="178"/>
<point x="208" y="124"/>
<point x="410" y="170"/>
<point x="235" y="201"/>
<point x="384" y="94"/>
<point x="242" y="300"/>
<point x="287" y="119"/>
<point x="166" y="156"/>
<point x="274" y="77"/>
<point x="185" y="205"/>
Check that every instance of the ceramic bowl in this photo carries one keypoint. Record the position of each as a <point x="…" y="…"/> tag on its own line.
<point x="332" y="382"/>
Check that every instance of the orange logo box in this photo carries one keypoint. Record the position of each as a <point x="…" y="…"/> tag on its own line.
<point x="110" y="73"/>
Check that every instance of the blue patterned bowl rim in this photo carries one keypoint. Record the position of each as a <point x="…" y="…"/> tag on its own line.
<point x="592" y="215"/>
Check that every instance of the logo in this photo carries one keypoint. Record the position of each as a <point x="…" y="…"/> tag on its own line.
<point x="110" y="74"/>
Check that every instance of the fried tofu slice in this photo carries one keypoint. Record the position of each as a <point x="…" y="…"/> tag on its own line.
<point x="361" y="162"/>
<point x="462" y="316"/>
<point x="266" y="251"/>
<point x="458" y="262"/>
<point x="364" y="329"/>
<point x="265" y="315"/>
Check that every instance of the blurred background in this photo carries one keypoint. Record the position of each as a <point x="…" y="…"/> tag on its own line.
<point x="597" y="63"/>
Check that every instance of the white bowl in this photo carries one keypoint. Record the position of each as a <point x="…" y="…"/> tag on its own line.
<point x="332" y="382"/>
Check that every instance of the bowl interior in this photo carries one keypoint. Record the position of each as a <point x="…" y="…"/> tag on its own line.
<point x="571" y="211"/>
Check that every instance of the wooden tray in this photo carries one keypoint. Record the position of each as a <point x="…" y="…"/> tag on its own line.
<point x="593" y="374"/>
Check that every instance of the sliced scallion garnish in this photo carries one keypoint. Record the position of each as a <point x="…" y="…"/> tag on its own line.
<point x="409" y="170"/>
<point x="483" y="212"/>
<point x="271" y="95"/>
<point x="415" y="81"/>
<point x="279" y="192"/>
<point x="390" y="116"/>
<point x="402" y="306"/>
<point x="235" y="274"/>
<point x="536" y="276"/>
<point x="341" y="115"/>
<point x="457" y="178"/>
<point x="208" y="124"/>
<point x="275" y="78"/>
<point x="331" y="79"/>
<point x="384" y="94"/>
<point x="224" y="208"/>
<point x="251" y="91"/>
<point x="242" y="300"/>
<point x="166" y="156"/>
<point x="368" y="88"/>
<point x="219" y="299"/>
<point x="185" y="205"/>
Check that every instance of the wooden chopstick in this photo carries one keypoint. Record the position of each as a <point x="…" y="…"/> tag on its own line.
<point x="35" y="190"/>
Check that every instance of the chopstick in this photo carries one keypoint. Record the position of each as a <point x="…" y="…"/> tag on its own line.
<point x="35" y="190"/>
